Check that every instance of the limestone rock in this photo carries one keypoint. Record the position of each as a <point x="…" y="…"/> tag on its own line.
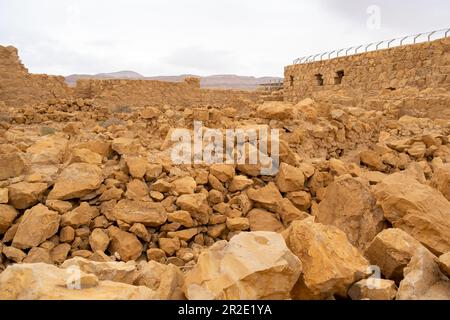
<point x="81" y="215"/>
<point x="223" y="172"/>
<point x="262" y="220"/>
<point x="330" y="263"/>
<point x="166" y="280"/>
<point x="12" y="165"/>
<point x="86" y="156"/>
<point x="240" y="183"/>
<point x="48" y="150"/>
<point x="169" y="246"/>
<point x="423" y="280"/>
<point x="14" y="254"/>
<point x="288" y="212"/>
<point x="444" y="263"/>
<point x="125" y="146"/>
<point x="24" y="195"/>
<point x="99" y="240"/>
<point x="37" y="225"/>
<point x="185" y="185"/>
<point x="441" y="180"/>
<point x="266" y="197"/>
<point x="196" y="205"/>
<point x="76" y="181"/>
<point x="290" y="178"/>
<point x="182" y="217"/>
<point x="7" y="216"/>
<point x="4" y="197"/>
<point x="150" y="214"/>
<point x="392" y="250"/>
<point x="37" y="254"/>
<point x="124" y="272"/>
<point x="275" y="110"/>
<point x="252" y="266"/>
<point x="238" y="224"/>
<point x="125" y="244"/>
<point x="42" y="281"/>
<point x="418" y="209"/>
<point x="349" y="205"/>
<point x="373" y="289"/>
<point x="137" y="167"/>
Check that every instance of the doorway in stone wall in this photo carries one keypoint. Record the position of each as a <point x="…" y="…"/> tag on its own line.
<point x="319" y="79"/>
<point x="339" y="76"/>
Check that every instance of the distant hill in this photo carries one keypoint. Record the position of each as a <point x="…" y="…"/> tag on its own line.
<point x="225" y="81"/>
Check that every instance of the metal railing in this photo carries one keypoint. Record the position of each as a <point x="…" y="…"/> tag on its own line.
<point x="375" y="46"/>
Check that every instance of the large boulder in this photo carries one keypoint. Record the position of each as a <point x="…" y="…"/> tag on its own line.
<point x="275" y="110"/>
<point x="37" y="225"/>
<point x="423" y="279"/>
<point x="392" y="250"/>
<point x="76" y="181"/>
<point x="253" y="265"/>
<point x="331" y="264"/>
<point x="418" y="209"/>
<point x="48" y="150"/>
<point x="349" y="205"/>
<point x="41" y="281"/>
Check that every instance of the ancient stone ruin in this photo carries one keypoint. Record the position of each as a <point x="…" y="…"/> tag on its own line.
<point x="92" y="205"/>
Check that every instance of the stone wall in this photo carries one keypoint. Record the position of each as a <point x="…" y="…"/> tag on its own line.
<point x="19" y="88"/>
<point x="419" y="66"/>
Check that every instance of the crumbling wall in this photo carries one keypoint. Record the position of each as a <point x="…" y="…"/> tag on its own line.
<point x="19" y="88"/>
<point x="419" y="66"/>
<point x="140" y="93"/>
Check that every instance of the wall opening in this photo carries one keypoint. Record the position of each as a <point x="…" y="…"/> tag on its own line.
<point x="291" y="81"/>
<point x="339" y="76"/>
<point x="319" y="79"/>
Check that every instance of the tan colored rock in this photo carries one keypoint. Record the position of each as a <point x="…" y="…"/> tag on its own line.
<point x="275" y="110"/>
<point x="40" y="281"/>
<point x="253" y="265"/>
<point x="223" y="172"/>
<point x="262" y="220"/>
<point x="169" y="246"/>
<point x="444" y="263"/>
<point x="441" y="180"/>
<point x="266" y="197"/>
<point x="373" y="289"/>
<point x="156" y="254"/>
<point x="423" y="280"/>
<point x="37" y="225"/>
<point x="182" y="217"/>
<point x="300" y="199"/>
<point x="59" y="205"/>
<point x="153" y="171"/>
<point x="150" y="113"/>
<point x="184" y="185"/>
<point x="86" y="156"/>
<point x="185" y="235"/>
<point x="7" y="216"/>
<point x="24" y="195"/>
<point x="137" y="190"/>
<point x="125" y="146"/>
<point x="137" y="167"/>
<point x="288" y="212"/>
<point x="112" y="194"/>
<point x="123" y="272"/>
<point x="76" y="181"/>
<point x="290" y="178"/>
<point x="81" y="215"/>
<point x="36" y="255"/>
<point x="196" y="205"/>
<point x="14" y="254"/>
<point x="161" y="186"/>
<point x="349" y="205"/>
<point x="48" y="150"/>
<point x="238" y="224"/>
<point x="140" y="231"/>
<point x="4" y="196"/>
<point x="417" y="209"/>
<point x="125" y="244"/>
<point x="59" y="253"/>
<point x="150" y="214"/>
<point x="372" y="159"/>
<point x="99" y="240"/>
<point x="67" y="234"/>
<point x="330" y="263"/>
<point x="240" y="183"/>
<point x="12" y="165"/>
<point x="166" y="280"/>
<point x="392" y="250"/>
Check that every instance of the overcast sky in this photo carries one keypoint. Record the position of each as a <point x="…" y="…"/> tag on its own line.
<point x="204" y="37"/>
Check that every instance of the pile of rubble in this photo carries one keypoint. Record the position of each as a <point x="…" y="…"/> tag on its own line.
<point x="90" y="200"/>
